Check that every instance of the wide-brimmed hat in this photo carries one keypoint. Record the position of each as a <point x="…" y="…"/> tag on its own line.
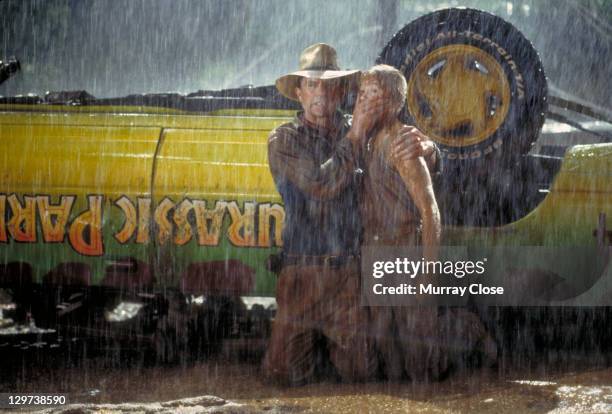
<point x="317" y="61"/>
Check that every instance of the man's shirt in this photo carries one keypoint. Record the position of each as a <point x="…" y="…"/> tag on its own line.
<point x="315" y="173"/>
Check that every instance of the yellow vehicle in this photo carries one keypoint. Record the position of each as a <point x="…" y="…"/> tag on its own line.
<point x="162" y="208"/>
<point x="126" y="201"/>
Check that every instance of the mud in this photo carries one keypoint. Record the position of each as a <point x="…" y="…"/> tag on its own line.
<point x="119" y="380"/>
<point x="99" y="381"/>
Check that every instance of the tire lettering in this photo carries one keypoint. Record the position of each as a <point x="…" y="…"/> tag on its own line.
<point x="440" y="36"/>
<point x="518" y="77"/>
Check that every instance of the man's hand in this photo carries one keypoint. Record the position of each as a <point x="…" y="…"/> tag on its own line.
<point x="411" y="143"/>
<point x="365" y="115"/>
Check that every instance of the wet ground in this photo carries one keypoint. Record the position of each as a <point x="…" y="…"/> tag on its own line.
<point x="104" y="380"/>
<point x="583" y="387"/>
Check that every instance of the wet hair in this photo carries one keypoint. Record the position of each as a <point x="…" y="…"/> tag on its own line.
<point x="390" y="80"/>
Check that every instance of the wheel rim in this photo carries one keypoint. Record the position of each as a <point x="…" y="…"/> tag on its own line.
<point x="459" y="95"/>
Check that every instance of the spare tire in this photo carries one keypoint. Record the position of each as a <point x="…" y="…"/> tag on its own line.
<point x="476" y="85"/>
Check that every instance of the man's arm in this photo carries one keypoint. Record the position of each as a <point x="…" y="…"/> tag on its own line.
<point x="411" y="143"/>
<point x="416" y="177"/>
<point x="291" y="161"/>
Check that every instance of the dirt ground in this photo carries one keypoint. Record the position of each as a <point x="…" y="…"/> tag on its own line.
<point x="239" y="387"/>
<point x="124" y="380"/>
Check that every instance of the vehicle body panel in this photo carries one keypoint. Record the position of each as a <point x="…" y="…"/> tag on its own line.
<point x="174" y="189"/>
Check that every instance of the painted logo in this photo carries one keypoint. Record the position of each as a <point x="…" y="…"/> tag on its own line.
<point x="253" y="225"/>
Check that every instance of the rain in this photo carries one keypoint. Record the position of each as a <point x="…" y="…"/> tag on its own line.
<point x="139" y="223"/>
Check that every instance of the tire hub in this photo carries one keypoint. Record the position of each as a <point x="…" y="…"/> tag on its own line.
<point x="459" y="95"/>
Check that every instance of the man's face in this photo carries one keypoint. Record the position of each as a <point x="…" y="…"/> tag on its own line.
<point x="319" y="98"/>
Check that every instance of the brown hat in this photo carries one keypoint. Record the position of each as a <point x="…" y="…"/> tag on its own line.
<point x="317" y="61"/>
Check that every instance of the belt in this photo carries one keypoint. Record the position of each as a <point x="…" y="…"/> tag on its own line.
<point x="325" y="260"/>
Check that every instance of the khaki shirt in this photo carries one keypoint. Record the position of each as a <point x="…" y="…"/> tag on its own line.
<point x="315" y="172"/>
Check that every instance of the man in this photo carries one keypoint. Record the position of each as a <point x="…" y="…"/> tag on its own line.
<point x="314" y="162"/>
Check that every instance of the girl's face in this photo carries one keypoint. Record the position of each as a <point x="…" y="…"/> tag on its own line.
<point x="370" y="89"/>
